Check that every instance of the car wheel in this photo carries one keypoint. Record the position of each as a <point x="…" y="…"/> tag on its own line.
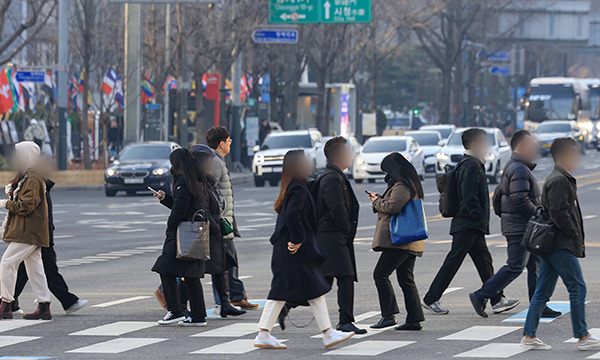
<point x="110" y="193"/>
<point x="358" y="181"/>
<point x="371" y="181"/>
<point x="274" y="183"/>
<point x="259" y="182"/>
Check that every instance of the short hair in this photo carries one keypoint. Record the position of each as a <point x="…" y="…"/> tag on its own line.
<point x="333" y="146"/>
<point x="518" y="137"/>
<point x="559" y="145"/>
<point x="470" y="135"/>
<point x="215" y="135"/>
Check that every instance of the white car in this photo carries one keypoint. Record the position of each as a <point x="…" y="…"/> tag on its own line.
<point x="444" y="129"/>
<point x="367" y="165"/>
<point x="268" y="160"/>
<point x="430" y="142"/>
<point x="453" y="152"/>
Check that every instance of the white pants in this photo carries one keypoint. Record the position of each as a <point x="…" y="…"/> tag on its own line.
<point x="9" y="265"/>
<point x="273" y="308"/>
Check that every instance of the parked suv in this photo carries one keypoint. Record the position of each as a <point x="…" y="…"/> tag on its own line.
<point x="268" y="160"/>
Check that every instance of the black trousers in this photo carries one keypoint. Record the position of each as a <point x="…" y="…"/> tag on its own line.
<point x="173" y="295"/>
<point x="471" y="242"/>
<point x="403" y="263"/>
<point x="57" y="285"/>
<point x="345" y="297"/>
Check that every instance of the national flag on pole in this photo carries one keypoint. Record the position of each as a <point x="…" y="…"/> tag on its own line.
<point x="17" y="90"/>
<point x="49" y="87"/>
<point x="108" y="83"/>
<point x="119" y="94"/>
<point x="6" y="99"/>
<point x="147" y="89"/>
<point x="81" y="82"/>
<point x="29" y="95"/>
<point x="172" y="82"/>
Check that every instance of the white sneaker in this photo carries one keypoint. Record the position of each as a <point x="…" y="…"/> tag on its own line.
<point x="591" y="343"/>
<point x="76" y="307"/>
<point x="334" y="337"/>
<point x="269" y="342"/>
<point x="534" y="344"/>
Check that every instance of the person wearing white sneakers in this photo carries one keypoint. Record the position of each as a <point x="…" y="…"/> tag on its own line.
<point x="559" y="199"/>
<point x="297" y="260"/>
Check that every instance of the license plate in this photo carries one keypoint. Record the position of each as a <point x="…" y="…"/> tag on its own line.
<point x="134" y="181"/>
<point x="546" y="145"/>
<point x="276" y="170"/>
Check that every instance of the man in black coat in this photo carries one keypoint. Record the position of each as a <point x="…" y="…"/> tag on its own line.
<point x="337" y="213"/>
<point x="520" y="197"/>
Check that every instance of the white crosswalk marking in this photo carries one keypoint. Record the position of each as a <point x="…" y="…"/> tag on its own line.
<point x="121" y="301"/>
<point x="481" y="333"/>
<point x="236" y="347"/>
<point x="116" y="346"/>
<point x="501" y="351"/>
<point x="12" y="340"/>
<point x="16" y="324"/>
<point x="595" y="356"/>
<point x="233" y="330"/>
<point x="451" y="290"/>
<point x="116" y="329"/>
<point x="594" y="331"/>
<point x="369" y="348"/>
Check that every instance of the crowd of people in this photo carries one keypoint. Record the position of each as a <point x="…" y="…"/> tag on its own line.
<point x="313" y="240"/>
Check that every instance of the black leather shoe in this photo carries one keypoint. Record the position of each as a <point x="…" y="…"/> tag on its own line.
<point x="228" y="309"/>
<point x="478" y="305"/>
<point x="350" y="327"/>
<point x="548" y="313"/>
<point x="410" y="327"/>
<point x="385" y="322"/>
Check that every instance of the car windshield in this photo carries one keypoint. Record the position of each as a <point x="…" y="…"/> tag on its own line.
<point x="145" y="152"/>
<point x="425" y="139"/>
<point x="385" y="146"/>
<point x="444" y="131"/>
<point x="554" y="128"/>
<point x="456" y="139"/>
<point x="287" y="142"/>
<point x="551" y="102"/>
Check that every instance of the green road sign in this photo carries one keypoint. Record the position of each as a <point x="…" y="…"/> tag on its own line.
<point x="251" y="102"/>
<point x="319" y="11"/>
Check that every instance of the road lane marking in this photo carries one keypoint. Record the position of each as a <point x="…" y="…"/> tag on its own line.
<point x="236" y="347"/>
<point x="589" y="217"/>
<point x="594" y="331"/>
<point x="563" y="306"/>
<point x="481" y="333"/>
<point x="122" y="301"/>
<point x="500" y="350"/>
<point x="240" y="277"/>
<point x="365" y="316"/>
<point x="115" y="329"/>
<point x="132" y="230"/>
<point x="452" y="289"/>
<point x="233" y="330"/>
<point x="18" y="323"/>
<point x="369" y="348"/>
<point x="116" y="346"/>
<point x="12" y="340"/>
<point x="63" y="236"/>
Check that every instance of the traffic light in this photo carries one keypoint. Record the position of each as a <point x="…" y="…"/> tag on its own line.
<point x="416" y="112"/>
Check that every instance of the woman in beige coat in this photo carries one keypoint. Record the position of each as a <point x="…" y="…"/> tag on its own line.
<point x="403" y="185"/>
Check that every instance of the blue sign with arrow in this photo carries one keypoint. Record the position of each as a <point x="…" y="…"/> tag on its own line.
<point x="30" y="76"/>
<point x="500" y="70"/>
<point x="501" y="56"/>
<point x="275" y="36"/>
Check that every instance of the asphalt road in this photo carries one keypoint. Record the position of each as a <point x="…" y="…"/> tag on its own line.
<point x="106" y="247"/>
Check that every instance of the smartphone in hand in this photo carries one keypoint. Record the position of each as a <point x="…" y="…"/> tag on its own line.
<point x="154" y="191"/>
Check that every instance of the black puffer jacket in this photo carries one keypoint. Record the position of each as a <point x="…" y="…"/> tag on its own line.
<point x="520" y="195"/>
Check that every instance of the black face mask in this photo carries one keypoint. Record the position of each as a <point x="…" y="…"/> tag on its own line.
<point x="389" y="180"/>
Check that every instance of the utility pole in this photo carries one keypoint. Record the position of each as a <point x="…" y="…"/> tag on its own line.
<point x="133" y="76"/>
<point x="63" y="53"/>
<point x="167" y="92"/>
<point x="236" y="107"/>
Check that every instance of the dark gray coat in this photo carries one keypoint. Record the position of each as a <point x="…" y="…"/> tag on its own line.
<point x="520" y="196"/>
<point x="559" y="198"/>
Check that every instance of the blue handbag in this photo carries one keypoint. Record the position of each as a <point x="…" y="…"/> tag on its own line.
<point x="409" y="225"/>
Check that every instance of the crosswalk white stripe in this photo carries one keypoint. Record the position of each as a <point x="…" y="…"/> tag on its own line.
<point x="451" y="290"/>
<point x="12" y="340"/>
<point x="594" y="331"/>
<point x="116" y="346"/>
<point x="236" y="347"/>
<point x="501" y="351"/>
<point x="233" y="330"/>
<point x="115" y="329"/>
<point x="18" y="323"/>
<point x="481" y="333"/>
<point x="122" y="301"/>
<point x="595" y="356"/>
<point x="369" y="314"/>
<point x="369" y="348"/>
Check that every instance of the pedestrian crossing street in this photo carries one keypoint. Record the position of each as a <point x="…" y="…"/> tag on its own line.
<point x="125" y="337"/>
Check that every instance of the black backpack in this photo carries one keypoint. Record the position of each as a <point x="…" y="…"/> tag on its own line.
<point x="447" y="185"/>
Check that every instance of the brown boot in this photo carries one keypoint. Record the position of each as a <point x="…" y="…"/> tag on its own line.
<point x="5" y="310"/>
<point x="42" y="313"/>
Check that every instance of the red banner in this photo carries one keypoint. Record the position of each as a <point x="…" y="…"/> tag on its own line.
<point x="213" y="92"/>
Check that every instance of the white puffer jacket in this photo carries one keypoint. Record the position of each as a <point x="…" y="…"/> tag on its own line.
<point x="221" y="175"/>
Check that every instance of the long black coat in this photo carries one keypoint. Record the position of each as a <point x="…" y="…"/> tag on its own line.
<point x="183" y="206"/>
<point x="217" y="264"/>
<point x="337" y="211"/>
<point x="297" y="278"/>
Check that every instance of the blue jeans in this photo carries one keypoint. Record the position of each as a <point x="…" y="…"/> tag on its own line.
<point x="518" y="259"/>
<point x="566" y="265"/>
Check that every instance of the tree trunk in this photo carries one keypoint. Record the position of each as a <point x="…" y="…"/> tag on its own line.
<point x="202" y="123"/>
<point x="445" y="96"/>
<point x="458" y="107"/>
<point x="322" y="120"/>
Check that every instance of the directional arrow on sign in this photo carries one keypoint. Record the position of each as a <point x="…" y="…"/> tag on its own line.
<point x="327" y="9"/>
<point x="293" y="16"/>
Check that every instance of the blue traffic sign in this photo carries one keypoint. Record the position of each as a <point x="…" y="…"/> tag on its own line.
<point x="275" y="36"/>
<point x="31" y="76"/>
<point x="500" y="70"/>
<point x="494" y="55"/>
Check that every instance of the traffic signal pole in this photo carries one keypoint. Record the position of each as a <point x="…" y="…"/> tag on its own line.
<point x="63" y="53"/>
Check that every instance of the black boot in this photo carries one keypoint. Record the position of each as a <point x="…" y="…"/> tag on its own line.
<point x="228" y="309"/>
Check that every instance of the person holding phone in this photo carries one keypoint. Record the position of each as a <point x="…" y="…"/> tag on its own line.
<point x="296" y="261"/>
<point x="404" y="184"/>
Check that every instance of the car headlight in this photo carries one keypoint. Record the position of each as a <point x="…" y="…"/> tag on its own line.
<point x="160" y="171"/>
<point x="490" y="157"/>
<point x="359" y="161"/>
<point x="598" y="126"/>
<point x="111" y="172"/>
<point x="259" y="158"/>
<point x="442" y="156"/>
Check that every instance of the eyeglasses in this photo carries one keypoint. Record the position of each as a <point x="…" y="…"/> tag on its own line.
<point x="229" y="141"/>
